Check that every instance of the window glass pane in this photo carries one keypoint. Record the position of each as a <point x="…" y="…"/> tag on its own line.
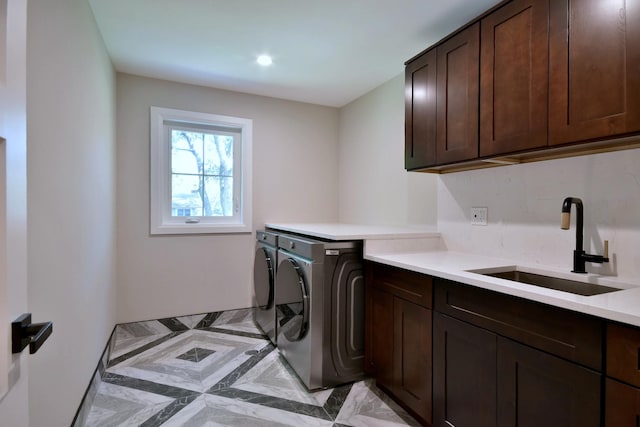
<point x="202" y="174"/>
<point x="218" y="155"/>
<point x="186" y="151"/>
<point x="186" y="195"/>
<point x="219" y="195"/>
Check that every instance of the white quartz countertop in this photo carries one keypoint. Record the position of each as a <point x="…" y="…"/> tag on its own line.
<point x="622" y="306"/>
<point x="342" y="231"/>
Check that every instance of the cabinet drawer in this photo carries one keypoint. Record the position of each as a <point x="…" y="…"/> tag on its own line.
<point x="408" y="285"/>
<point x="623" y="353"/>
<point x="567" y="334"/>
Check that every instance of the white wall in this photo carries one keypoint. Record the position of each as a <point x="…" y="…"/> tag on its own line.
<point x="14" y="369"/>
<point x="71" y="202"/>
<point x="294" y="179"/>
<point x="374" y="186"/>
<point x="524" y="204"/>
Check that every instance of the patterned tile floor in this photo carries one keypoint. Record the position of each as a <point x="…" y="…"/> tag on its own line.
<point x="219" y="370"/>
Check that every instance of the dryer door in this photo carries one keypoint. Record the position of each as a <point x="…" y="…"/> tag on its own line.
<point x="263" y="279"/>
<point x="292" y="301"/>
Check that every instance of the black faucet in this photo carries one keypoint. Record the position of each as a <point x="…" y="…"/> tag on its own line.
<point x="580" y="257"/>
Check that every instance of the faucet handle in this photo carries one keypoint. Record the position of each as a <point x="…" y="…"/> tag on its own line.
<point x="606" y="249"/>
<point x="565" y="221"/>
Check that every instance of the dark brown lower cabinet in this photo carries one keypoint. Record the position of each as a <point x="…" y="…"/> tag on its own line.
<point x="482" y="379"/>
<point x="398" y="336"/>
<point x="399" y="353"/>
<point x="412" y="356"/>
<point x="622" y="405"/>
<point x="623" y="376"/>
<point x="458" y="356"/>
<point x="537" y="389"/>
<point x="464" y="374"/>
<point x="379" y="336"/>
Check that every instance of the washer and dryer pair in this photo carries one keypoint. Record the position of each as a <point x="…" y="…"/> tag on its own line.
<point x="315" y="303"/>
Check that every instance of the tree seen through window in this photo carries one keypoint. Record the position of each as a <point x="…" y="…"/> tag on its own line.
<point x="201" y="173"/>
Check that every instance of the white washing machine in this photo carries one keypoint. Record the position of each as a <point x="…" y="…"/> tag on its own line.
<point x="320" y="310"/>
<point x="264" y="282"/>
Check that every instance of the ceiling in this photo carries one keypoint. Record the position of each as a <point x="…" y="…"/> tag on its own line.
<point x="326" y="52"/>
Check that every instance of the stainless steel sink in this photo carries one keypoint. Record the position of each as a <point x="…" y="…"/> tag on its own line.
<point x="565" y="285"/>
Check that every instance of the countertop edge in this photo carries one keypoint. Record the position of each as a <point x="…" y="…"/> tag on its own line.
<point x="344" y="231"/>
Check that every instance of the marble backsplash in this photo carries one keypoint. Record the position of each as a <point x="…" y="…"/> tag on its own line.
<point x="524" y="203"/>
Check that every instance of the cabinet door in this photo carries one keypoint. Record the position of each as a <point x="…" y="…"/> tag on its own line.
<point x="623" y="405"/>
<point x="514" y="78"/>
<point x="536" y="389"/>
<point x="464" y="374"/>
<point x="420" y="112"/>
<point x="623" y="353"/>
<point x="379" y="336"/>
<point x="594" y="66"/>
<point x="458" y="61"/>
<point x="412" y="356"/>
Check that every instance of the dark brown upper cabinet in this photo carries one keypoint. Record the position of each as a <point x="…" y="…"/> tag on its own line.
<point x="457" y="97"/>
<point x="514" y="78"/>
<point x="594" y="69"/>
<point x="420" y="112"/>
<point x="528" y="80"/>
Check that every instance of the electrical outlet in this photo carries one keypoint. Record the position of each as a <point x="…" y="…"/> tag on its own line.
<point x="479" y="216"/>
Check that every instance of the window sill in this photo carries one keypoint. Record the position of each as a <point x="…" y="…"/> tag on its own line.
<point x="177" y="229"/>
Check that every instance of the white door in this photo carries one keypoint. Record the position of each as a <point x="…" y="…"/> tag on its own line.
<point x="13" y="208"/>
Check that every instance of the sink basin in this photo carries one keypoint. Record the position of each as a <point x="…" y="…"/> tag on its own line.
<point x="565" y="285"/>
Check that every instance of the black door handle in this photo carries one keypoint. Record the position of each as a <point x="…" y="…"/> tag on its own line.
<point x="24" y="333"/>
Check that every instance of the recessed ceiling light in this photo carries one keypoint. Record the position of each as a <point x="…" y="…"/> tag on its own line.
<point x="264" y="60"/>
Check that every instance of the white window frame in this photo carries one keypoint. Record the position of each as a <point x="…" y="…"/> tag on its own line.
<point x="161" y="220"/>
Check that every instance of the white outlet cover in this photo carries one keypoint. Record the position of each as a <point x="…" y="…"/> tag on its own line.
<point x="479" y="216"/>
